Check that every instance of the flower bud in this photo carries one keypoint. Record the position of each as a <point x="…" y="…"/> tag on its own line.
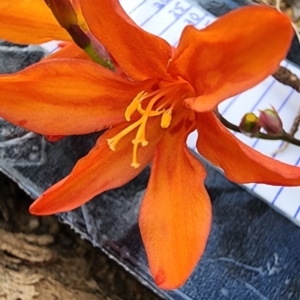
<point x="270" y="121"/>
<point x="63" y="11"/>
<point x="79" y="36"/>
<point x="250" y="124"/>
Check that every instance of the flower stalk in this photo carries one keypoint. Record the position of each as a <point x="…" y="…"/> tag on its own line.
<point x="284" y="136"/>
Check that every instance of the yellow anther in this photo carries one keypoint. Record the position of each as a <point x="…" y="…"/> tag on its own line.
<point x="133" y="106"/>
<point x="111" y="144"/>
<point x="166" y="118"/>
<point x="134" y="162"/>
<point x="143" y="142"/>
<point x="135" y="165"/>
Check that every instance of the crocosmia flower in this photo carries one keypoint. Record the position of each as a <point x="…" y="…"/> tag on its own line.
<point x="162" y="95"/>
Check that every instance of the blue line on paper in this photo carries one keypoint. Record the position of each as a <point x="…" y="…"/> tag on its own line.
<point x="297" y="162"/>
<point x="55" y="49"/>
<point x="196" y="24"/>
<point x="229" y="104"/>
<point x="200" y="20"/>
<point x="151" y="16"/>
<point x="276" y="196"/>
<point x="208" y="22"/>
<point x="263" y="94"/>
<point x="137" y="7"/>
<point x="280" y="190"/>
<point x="297" y="212"/>
<point x="286" y="99"/>
<point x="255" y="143"/>
<point x="171" y="24"/>
<point x="280" y="145"/>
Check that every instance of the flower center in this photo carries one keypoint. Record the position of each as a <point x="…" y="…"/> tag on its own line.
<point x="159" y="103"/>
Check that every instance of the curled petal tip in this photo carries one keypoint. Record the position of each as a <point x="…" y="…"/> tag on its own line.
<point x="34" y="210"/>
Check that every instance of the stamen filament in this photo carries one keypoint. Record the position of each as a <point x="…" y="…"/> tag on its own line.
<point x="133" y="106"/>
<point x="164" y="104"/>
<point x="112" y="142"/>
<point x="153" y="113"/>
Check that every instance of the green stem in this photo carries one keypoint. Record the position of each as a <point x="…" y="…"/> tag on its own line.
<point x="90" y="51"/>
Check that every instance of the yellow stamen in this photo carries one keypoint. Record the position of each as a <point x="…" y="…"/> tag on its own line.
<point x="134" y="162"/>
<point x="112" y="142"/>
<point x="166" y="118"/>
<point x="152" y="113"/>
<point x="159" y="102"/>
<point x="132" y="107"/>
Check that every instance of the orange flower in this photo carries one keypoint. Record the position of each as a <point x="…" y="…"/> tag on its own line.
<point x="149" y="113"/>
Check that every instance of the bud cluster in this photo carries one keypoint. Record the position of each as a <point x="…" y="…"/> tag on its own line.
<point x="268" y="119"/>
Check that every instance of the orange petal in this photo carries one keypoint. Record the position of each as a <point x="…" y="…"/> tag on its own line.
<point x="175" y="215"/>
<point x="140" y="54"/>
<point x="101" y="170"/>
<point x="240" y="163"/>
<point x="69" y="51"/>
<point x="29" y="22"/>
<point x="232" y="55"/>
<point x="66" y="96"/>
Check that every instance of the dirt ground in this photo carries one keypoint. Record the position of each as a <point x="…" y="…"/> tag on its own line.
<point x="41" y="258"/>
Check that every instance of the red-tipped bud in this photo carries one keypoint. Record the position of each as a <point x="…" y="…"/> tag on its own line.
<point x="250" y="124"/>
<point x="270" y="121"/>
<point x="54" y="138"/>
<point x="64" y="12"/>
